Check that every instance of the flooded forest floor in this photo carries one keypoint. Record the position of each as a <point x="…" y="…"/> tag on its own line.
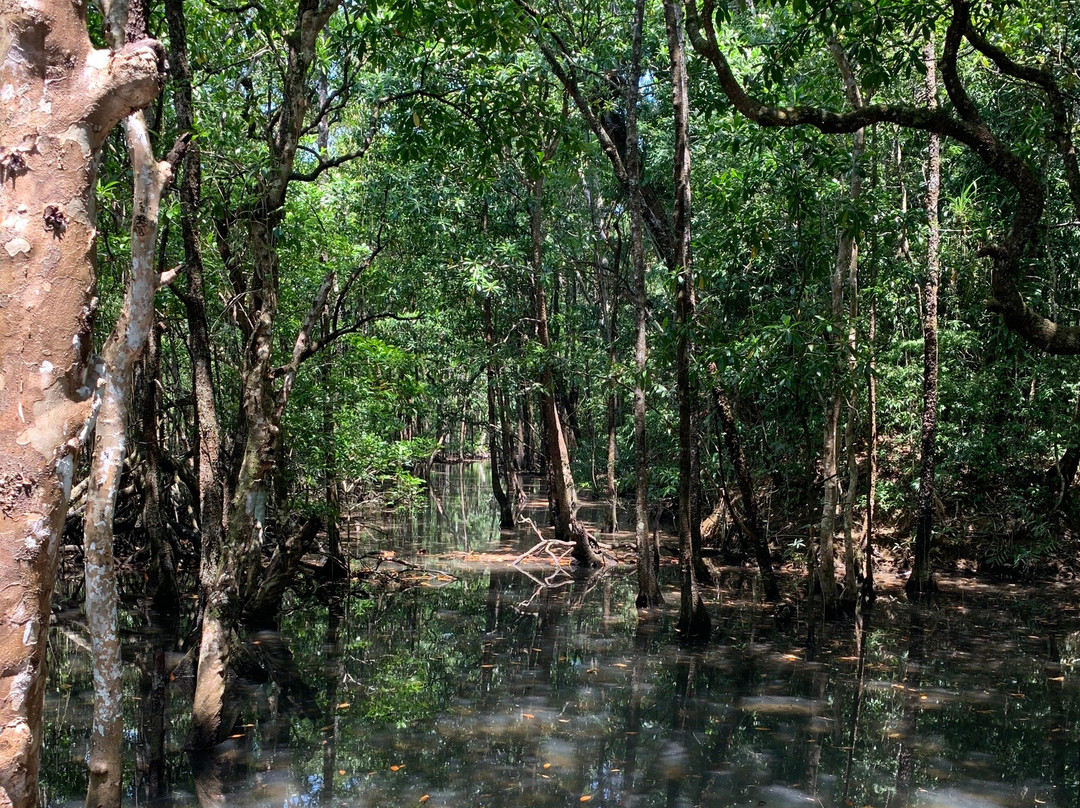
<point x="461" y="680"/>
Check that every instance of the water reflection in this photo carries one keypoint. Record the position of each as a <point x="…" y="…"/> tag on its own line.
<point x="491" y="692"/>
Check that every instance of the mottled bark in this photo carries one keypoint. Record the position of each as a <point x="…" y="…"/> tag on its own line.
<point x="122" y="350"/>
<point x="218" y="608"/>
<point x="61" y="99"/>
<point x="230" y="573"/>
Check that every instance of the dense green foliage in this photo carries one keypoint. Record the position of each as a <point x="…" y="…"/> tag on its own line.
<point x="456" y="109"/>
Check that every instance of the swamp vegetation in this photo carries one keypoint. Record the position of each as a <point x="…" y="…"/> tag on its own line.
<point x="535" y="402"/>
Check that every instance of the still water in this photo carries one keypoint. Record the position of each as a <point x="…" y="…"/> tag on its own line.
<point x="476" y="687"/>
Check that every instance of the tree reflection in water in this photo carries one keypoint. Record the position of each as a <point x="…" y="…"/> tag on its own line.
<point x="481" y="691"/>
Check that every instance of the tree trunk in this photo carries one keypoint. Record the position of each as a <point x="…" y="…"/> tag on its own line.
<point x="694" y="623"/>
<point x="122" y="350"/>
<point x="506" y="510"/>
<point x="562" y="493"/>
<point x="166" y="599"/>
<point x="751" y="527"/>
<point x="847" y="265"/>
<point x="511" y="453"/>
<point x="69" y="96"/>
<point x="336" y="568"/>
<point x="869" y="520"/>
<point x="217" y="600"/>
<point x="230" y="572"/>
<point x="612" y="426"/>
<point x="648" y="550"/>
<point x="921" y="581"/>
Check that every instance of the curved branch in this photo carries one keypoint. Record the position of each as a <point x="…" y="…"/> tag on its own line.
<point x="968" y="129"/>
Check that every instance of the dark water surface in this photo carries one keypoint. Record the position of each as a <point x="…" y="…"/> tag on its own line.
<point x="478" y="688"/>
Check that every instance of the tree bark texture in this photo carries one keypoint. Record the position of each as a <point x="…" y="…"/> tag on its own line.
<point x="60" y="98"/>
<point x="506" y="509"/>
<point x="563" y="493"/>
<point x="230" y="572"/>
<point x="751" y="525"/>
<point x="694" y="622"/>
<point x="648" y="550"/>
<point x="122" y="350"/>
<point x="921" y="581"/>
<point x="847" y="265"/>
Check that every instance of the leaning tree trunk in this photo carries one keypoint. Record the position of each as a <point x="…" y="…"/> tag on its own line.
<point x="921" y="581"/>
<point x="563" y="497"/>
<point x="648" y="550"/>
<point x="750" y="525"/>
<point x="61" y="98"/>
<point x="694" y="624"/>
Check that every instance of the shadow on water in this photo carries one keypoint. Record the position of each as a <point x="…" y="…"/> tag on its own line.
<point x="490" y="691"/>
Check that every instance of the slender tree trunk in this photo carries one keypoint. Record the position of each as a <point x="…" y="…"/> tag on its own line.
<point x="336" y="567"/>
<point x="70" y="97"/>
<point x="826" y="566"/>
<point x="166" y="600"/>
<point x="694" y="623"/>
<point x="921" y="581"/>
<point x="648" y="550"/>
<point x="506" y="510"/>
<point x="121" y="352"/>
<point x="612" y="425"/>
<point x="751" y="526"/>
<point x="847" y="265"/>
<point x="511" y="452"/>
<point x="868" y="593"/>
<point x="528" y="453"/>
<point x="218" y="601"/>
<point x="562" y="492"/>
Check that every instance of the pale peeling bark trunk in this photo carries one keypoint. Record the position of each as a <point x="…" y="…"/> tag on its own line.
<point x="60" y="98"/>
<point x="122" y="350"/>
<point x="694" y="623"/>
<point x="921" y="581"/>
<point x="648" y="550"/>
